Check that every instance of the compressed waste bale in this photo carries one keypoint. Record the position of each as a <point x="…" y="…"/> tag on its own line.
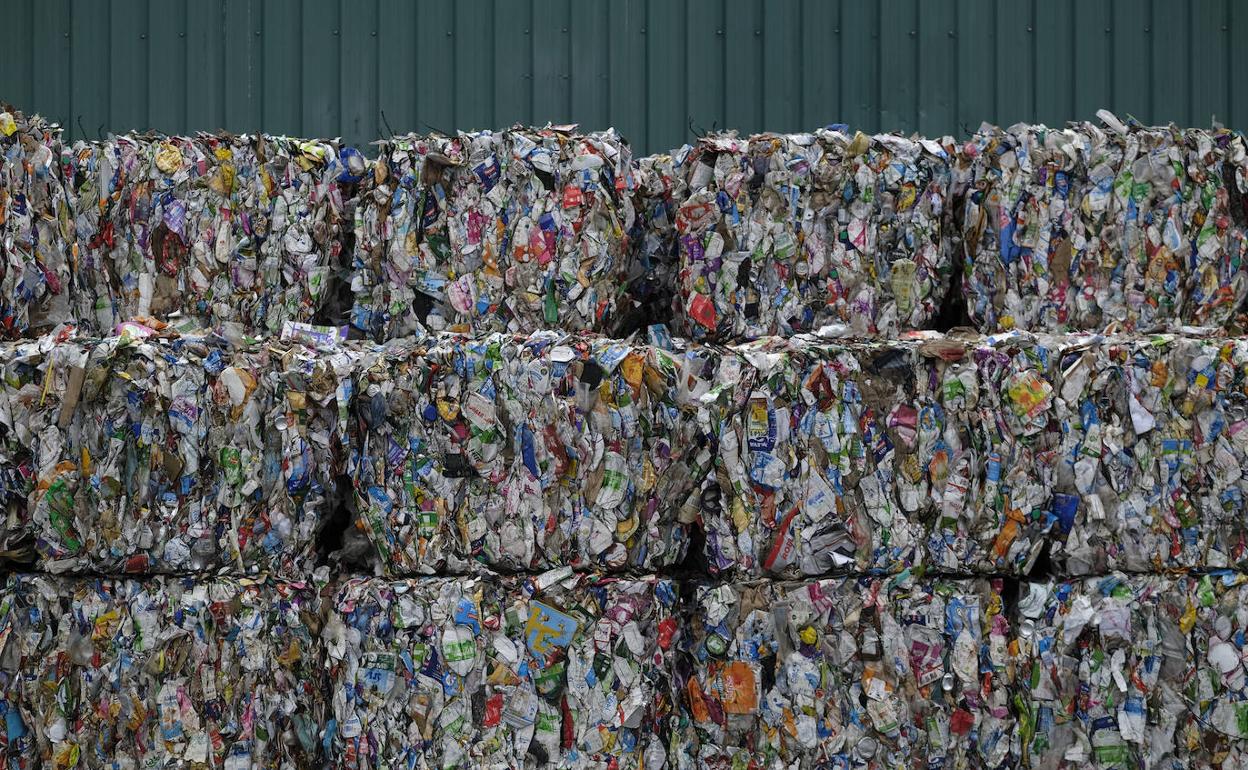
<point x="205" y="230"/>
<point x="1122" y="452"/>
<point x="1156" y="443"/>
<point x="1084" y="227"/>
<point x="36" y="226"/>
<point x="853" y="672"/>
<point x="802" y="456"/>
<point x="661" y="188"/>
<point x="787" y="233"/>
<point x="557" y="670"/>
<point x="812" y="445"/>
<point x="504" y="231"/>
<point x="161" y="672"/>
<point x="1213" y="732"/>
<point x="1102" y="666"/>
<point x="154" y="452"/>
<point x="524" y="453"/>
<point x="1104" y="453"/>
<point x="972" y="454"/>
<point x="849" y="456"/>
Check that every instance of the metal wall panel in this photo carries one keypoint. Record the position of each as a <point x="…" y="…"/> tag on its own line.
<point x="656" y="69"/>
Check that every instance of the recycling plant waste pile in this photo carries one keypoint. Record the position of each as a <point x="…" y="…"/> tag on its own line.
<point x="513" y="449"/>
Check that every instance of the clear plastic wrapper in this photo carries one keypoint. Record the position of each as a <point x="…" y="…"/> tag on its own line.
<point x="1087" y="227"/>
<point x="154" y="452"/>
<point x="504" y="231"/>
<point x="524" y="454"/>
<point x="787" y="233"/>
<point x="1102" y="669"/>
<point x="161" y="673"/>
<point x="556" y="670"/>
<point x="845" y="673"/>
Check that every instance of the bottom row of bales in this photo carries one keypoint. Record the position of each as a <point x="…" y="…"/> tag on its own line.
<point x="570" y="670"/>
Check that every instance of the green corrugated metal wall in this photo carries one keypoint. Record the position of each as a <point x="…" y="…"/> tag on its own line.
<point x="649" y="67"/>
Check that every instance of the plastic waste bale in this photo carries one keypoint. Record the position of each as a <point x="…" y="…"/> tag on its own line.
<point x="152" y="452"/>
<point x="161" y="672"/>
<point x="979" y="455"/>
<point x="507" y="231"/>
<point x="997" y="453"/>
<point x="206" y="230"/>
<point x="1102" y="666"/>
<point x="858" y="672"/>
<point x="848" y="456"/>
<point x="18" y="474"/>
<point x="817" y="455"/>
<point x="523" y="453"/>
<point x="1213" y="731"/>
<point x="558" y="670"/>
<point x="788" y="233"/>
<point x="1097" y="452"/>
<point x="1089" y="226"/>
<point x="579" y="676"/>
<point x="405" y="669"/>
<point x="1148" y="440"/>
<point x="36" y="226"/>
<point x="955" y="636"/>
